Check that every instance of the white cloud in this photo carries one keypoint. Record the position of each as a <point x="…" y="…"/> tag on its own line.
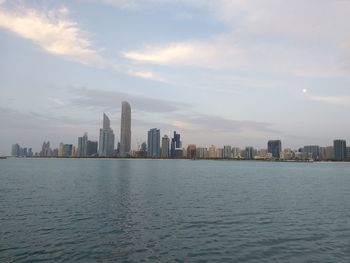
<point x="332" y="99"/>
<point x="52" y="31"/>
<point x="146" y="75"/>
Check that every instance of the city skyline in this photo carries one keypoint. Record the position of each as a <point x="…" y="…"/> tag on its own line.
<point x="228" y="72"/>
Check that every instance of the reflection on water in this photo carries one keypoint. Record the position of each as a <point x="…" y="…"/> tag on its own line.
<point x="147" y="210"/>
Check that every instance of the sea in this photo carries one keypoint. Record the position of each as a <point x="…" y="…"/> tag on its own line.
<point x="100" y="210"/>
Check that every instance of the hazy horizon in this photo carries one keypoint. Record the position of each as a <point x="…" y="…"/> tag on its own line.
<point x="219" y="72"/>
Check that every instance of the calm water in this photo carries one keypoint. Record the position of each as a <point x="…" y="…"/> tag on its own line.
<point x="177" y="211"/>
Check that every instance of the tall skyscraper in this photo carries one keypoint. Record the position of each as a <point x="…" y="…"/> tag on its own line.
<point x="153" y="150"/>
<point x="125" y="130"/>
<point x="67" y="150"/>
<point x="249" y="153"/>
<point x="82" y="145"/>
<point x="339" y="150"/>
<point x="175" y="144"/>
<point x="275" y="148"/>
<point x="106" y="141"/>
<point x="165" y="147"/>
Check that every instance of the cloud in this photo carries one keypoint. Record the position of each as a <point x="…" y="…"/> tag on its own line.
<point x="110" y="100"/>
<point x="146" y="75"/>
<point x="345" y="100"/>
<point x="53" y="32"/>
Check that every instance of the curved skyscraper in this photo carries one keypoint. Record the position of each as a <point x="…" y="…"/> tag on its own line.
<point x="125" y="130"/>
<point x="106" y="142"/>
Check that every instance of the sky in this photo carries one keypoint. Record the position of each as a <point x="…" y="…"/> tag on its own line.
<point x="223" y="72"/>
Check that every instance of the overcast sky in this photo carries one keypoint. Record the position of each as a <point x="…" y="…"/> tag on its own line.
<point x="219" y="72"/>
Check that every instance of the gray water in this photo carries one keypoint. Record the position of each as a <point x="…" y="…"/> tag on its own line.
<point x="173" y="211"/>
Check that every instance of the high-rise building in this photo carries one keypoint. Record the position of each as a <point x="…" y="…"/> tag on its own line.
<point x="175" y="144"/>
<point x="201" y="153"/>
<point x="67" y="150"/>
<point x="91" y="148"/>
<point x="249" y="153"/>
<point x="314" y="150"/>
<point x="212" y="152"/>
<point x="15" y="150"/>
<point x="60" y="149"/>
<point x="236" y="152"/>
<point x="191" y="151"/>
<point x="153" y="150"/>
<point x="275" y="148"/>
<point x="125" y="130"/>
<point x="45" y="150"/>
<point x="82" y="146"/>
<point x="348" y="153"/>
<point x="165" y="147"/>
<point x="227" y="152"/>
<point x="339" y="150"/>
<point x="106" y="141"/>
<point x="327" y="153"/>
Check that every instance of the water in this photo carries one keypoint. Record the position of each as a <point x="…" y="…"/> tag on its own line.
<point x="173" y="211"/>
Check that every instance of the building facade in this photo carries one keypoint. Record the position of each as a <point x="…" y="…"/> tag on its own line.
<point x="339" y="147"/>
<point x="106" y="140"/>
<point x="275" y="148"/>
<point x="165" y="147"/>
<point x="125" y="130"/>
<point x="153" y="142"/>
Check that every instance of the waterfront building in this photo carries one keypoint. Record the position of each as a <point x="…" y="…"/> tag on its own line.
<point x="227" y="152"/>
<point x="236" y="152"/>
<point x="125" y="130"/>
<point x="30" y="152"/>
<point x="275" y="148"/>
<point x="15" y="150"/>
<point x="314" y="150"/>
<point x="212" y="152"/>
<point x="175" y="144"/>
<point x="202" y="153"/>
<point x="219" y="153"/>
<point x="106" y="140"/>
<point x="165" y="147"/>
<point x="249" y="153"/>
<point x="67" y="150"/>
<point x="60" y="149"/>
<point x="191" y="151"/>
<point x="327" y="153"/>
<point x="348" y="153"/>
<point x="82" y="146"/>
<point x="339" y="150"/>
<point x="45" y="150"/>
<point x="153" y="150"/>
<point x="54" y="152"/>
<point x="288" y="154"/>
<point x="91" y="149"/>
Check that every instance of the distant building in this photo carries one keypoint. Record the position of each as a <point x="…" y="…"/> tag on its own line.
<point x="202" y="153"/>
<point x="327" y="153"/>
<point x="45" y="150"/>
<point x="30" y="152"/>
<point x="82" y="146"/>
<point x="175" y="144"/>
<point x="106" y="141"/>
<point x="15" y="150"/>
<point x="275" y="148"/>
<point x="165" y="147"/>
<point x="314" y="150"/>
<point x="153" y="150"/>
<point x="212" y="152"/>
<point x="219" y="153"/>
<point x="91" y="149"/>
<point x="348" y="153"/>
<point x="227" y="152"/>
<point x="67" y="150"/>
<point x="125" y="130"/>
<point x="191" y="151"/>
<point x="249" y="153"/>
<point x="60" y="149"/>
<point x="339" y="150"/>
<point x="236" y="152"/>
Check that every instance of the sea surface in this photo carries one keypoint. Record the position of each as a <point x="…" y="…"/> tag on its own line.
<point x="56" y="210"/>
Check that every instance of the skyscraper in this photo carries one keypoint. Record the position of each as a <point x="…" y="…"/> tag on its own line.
<point x="15" y="150"/>
<point x="275" y="148"/>
<point x="82" y="145"/>
<point x="91" y="148"/>
<point x="175" y="144"/>
<point x="153" y="143"/>
<point x="191" y="151"/>
<point x="106" y="141"/>
<point x="339" y="150"/>
<point x="165" y="146"/>
<point x="314" y="150"/>
<point x="125" y="130"/>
